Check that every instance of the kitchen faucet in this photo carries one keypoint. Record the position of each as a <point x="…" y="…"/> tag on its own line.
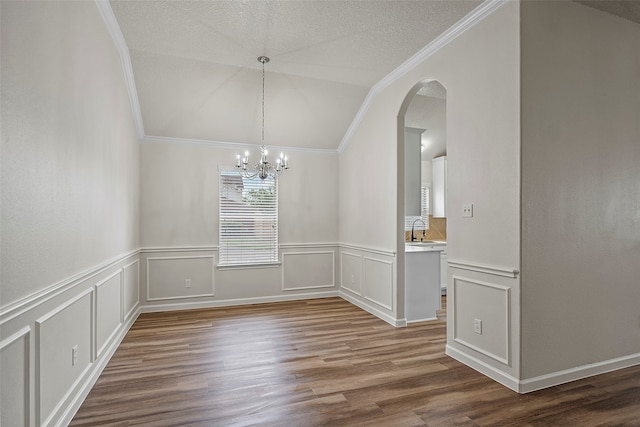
<point x="424" y="231"/>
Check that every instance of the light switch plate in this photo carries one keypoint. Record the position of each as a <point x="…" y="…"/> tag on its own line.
<point x="467" y="210"/>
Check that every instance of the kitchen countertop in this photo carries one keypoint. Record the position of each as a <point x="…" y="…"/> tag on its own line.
<point x="425" y="247"/>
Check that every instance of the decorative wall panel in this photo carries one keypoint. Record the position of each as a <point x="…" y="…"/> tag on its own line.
<point x="108" y="309"/>
<point x="180" y="277"/>
<point x="351" y="272"/>
<point x="378" y="281"/>
<point x="308" y="270"/>
<point x="131" y="288"/>
<point x="58" y="333"/>
<point x="14" y="368"/>
<point x="488" y="303"/>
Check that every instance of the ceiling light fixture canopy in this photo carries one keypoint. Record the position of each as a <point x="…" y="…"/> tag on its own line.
<point x="262" y="168"/>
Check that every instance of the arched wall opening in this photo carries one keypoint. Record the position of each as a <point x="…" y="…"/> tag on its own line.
<point x="421" y="136"/>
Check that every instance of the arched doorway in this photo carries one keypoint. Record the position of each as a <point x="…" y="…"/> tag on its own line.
<point x="421" y="224"/>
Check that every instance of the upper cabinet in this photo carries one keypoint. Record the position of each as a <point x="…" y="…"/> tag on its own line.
<point x="412" y="171"/>
<point x="439" y="187"/>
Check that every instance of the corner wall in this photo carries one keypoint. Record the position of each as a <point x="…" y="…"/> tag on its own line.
<point x="581" y="192"/>
<point x="480" y="70"/>
<point x="69" y="213"/>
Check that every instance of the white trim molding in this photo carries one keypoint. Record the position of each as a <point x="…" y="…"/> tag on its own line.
<point x="104" y="7"/>
<point x="578" y="373"/>
<point x="23" y="334"/>
<point x="178" y="249"/>
<point x="484" y="368"/>
<point x="478" y="14"/>
<point x="483" y="268"/>
<point x="298" y="288"/>
<point x="213" y="276"/>
<point x="96" y="301"/>
<point x="152" y="308"/>
<point x="23" y="305"/>
<point x="148" y="139"/>
<point x="366" y="283"/>
<point x="360" y="269"/>
<point x="507" y="319"/>
<point x="373" y="310"/>
<point x="377" y="251"/>
<point x="284" y="246"/>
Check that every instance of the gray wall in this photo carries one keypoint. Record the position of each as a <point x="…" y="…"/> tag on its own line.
<point x="70" y="208"/>
<point x="69" y="148"/>
<point x="179" y="229"/>
<point x="581" y="187"/>
<point x="483" y="161"/>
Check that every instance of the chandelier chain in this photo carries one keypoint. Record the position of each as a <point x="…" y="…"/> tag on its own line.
<point x="262" y="102"/>
<point x="263" y="168"/>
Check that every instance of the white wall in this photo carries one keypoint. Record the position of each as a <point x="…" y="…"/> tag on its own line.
<point x="179" y="218"/>
<point x="69" y="148"/>
<point x="483" y="161"/>
<point x="69" y="215"/>
<point x="581" y="191"/>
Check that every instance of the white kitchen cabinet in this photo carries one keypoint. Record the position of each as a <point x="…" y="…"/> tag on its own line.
<point x="412" y="171"/>
<point x="443" y="271"/>
<point x="439" y="186"/>
<point x="422" y="282"/>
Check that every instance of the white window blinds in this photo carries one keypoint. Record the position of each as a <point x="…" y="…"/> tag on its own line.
<point x="248" y="220"/>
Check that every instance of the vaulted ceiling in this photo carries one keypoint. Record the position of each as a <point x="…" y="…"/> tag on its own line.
<point x="197" y="75"/>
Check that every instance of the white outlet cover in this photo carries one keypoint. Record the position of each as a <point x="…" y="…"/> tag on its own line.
<point x="467" y="210"/>
<point x="477" y="326"/>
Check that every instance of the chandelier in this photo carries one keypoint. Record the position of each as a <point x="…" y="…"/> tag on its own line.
<point x="262" y="168"/>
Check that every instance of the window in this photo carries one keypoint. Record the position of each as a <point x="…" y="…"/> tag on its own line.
<point x="248" y="220"/>
<point x="410" y="221"/>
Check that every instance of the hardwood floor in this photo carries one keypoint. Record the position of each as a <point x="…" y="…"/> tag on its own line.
<point x="324" y="362"/>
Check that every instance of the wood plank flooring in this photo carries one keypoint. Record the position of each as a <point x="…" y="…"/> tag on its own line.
<point x="324" y="362"/>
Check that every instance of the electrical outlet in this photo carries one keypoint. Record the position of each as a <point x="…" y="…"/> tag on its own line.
<point x="477" y="326"/>
<point x="467" y="210"/>
<point x="187" y="283"/>
<point x="353" y="278"/>
<point x="74" y="355"/>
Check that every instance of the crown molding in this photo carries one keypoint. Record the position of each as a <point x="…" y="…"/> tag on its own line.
<point x="475" y="16"/>
<point x="104" y="7"/>
<point x="233" y="145"/>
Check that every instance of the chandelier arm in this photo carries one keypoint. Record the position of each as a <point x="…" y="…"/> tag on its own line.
<point x="262" y="168"/>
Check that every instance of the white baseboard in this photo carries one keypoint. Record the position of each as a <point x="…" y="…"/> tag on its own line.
<point x="548" y="380"/>
<point x="373" y="310"/>
<point x="578" y="373"/>
<point x="484" y="368"/>
<point x="150" y="308"/>
<point x="96" y="369"/>
<point x="428" y="319"/>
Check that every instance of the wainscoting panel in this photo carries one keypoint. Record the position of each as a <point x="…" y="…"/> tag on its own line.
<point x="351" y="272"/>
<point x="131" y="288"/>
<point x="179" y="277"/>
<point x="308" y="270"/>
<point x="378" y="280"/>
<point x="490" y="303"/>
<point x="58" y="332"/>
<point x="14" y="389"/>
<point x="108" y="310"/>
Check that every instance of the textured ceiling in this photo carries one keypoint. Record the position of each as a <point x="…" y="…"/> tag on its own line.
<point x="197" y="76"/>
<point x="628" y="9"/>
